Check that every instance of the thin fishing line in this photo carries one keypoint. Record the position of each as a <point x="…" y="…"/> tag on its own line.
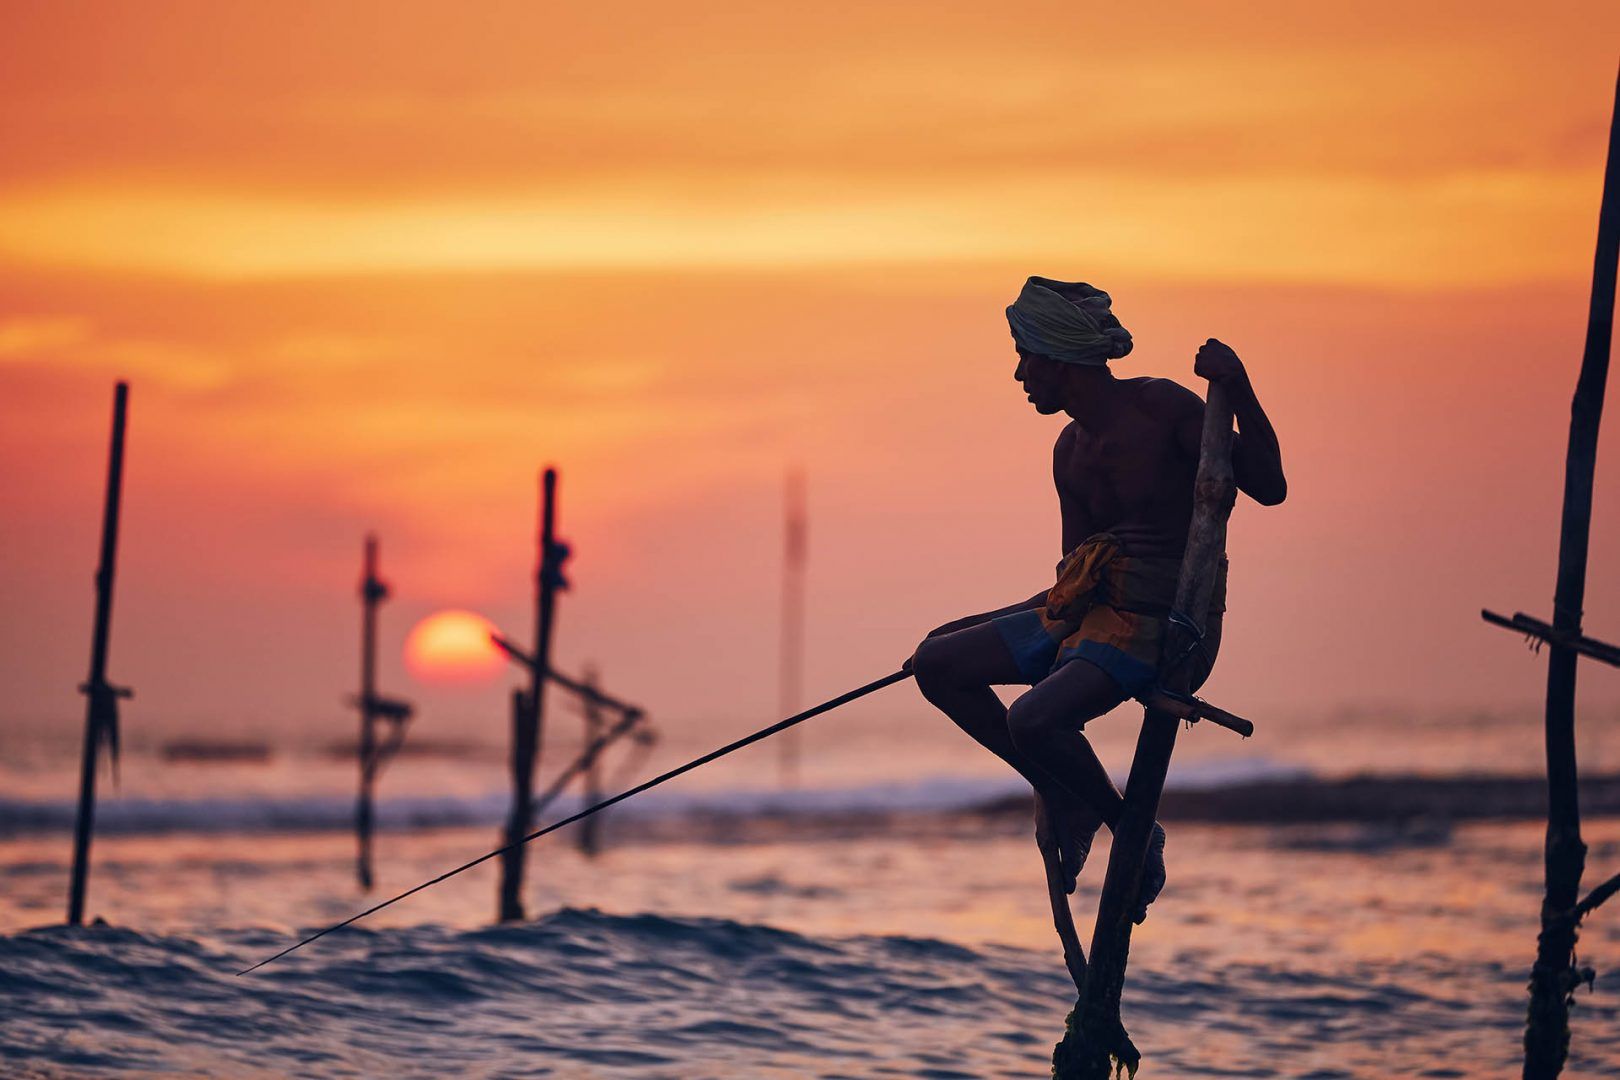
<point x="762" y="733"/>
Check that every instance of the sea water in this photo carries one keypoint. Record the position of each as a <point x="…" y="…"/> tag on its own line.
<point x="852" y="927"/>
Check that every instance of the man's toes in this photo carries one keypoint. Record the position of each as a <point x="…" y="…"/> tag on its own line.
<point x="1153" y="875"/>
<point x="1071" y="874"/>
<point x="1078" y="831"/>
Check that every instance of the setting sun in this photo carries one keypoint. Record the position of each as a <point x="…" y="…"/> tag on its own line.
<point x="452" y="647"/>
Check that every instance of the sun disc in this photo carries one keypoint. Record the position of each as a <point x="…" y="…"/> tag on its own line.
<point x="453" y="647"/>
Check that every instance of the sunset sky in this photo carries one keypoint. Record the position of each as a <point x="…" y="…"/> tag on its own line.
<point x="371" y="266"/>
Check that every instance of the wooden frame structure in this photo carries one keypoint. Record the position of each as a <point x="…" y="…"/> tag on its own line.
<point x="101" y="708"/>
<point x="374" y="751"/>
<point x="1556" y="974"/>
<point x="1095" y="1043"/>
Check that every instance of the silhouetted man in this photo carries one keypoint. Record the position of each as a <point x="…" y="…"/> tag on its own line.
<point x="1124" y="469"/>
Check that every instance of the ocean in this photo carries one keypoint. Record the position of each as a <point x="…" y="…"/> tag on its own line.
<point x="1350" y="896"/>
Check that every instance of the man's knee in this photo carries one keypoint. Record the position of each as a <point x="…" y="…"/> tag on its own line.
<point x="934" y="668"/>
<point x="1032" y="723"/>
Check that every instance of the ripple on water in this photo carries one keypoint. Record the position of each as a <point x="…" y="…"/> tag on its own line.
<point x="650" y="996"/>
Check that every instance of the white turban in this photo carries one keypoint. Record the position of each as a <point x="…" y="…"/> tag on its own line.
<point x="1067" y="321"/>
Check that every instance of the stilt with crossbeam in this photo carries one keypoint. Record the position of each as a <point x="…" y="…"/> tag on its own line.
<point x="1096" y="1041"/>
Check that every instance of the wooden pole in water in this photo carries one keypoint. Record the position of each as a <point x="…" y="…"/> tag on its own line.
<point x="101" y="710"/>
<point x="790" y="669"/>
<point x="590" y="840"/>
<point x="528" y="708"/>
<point x="373" y="591"/>
<point x="1554" y="976"/>
<point x="791" y="643"/>
<point x="1096" y="1039"/>
<point x="372" y="751"/>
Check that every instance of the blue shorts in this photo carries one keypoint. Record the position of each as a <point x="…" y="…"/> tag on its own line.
<point x="1038" y="656"/>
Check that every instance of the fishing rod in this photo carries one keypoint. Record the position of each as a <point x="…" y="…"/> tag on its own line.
<point x="762" y="733"/>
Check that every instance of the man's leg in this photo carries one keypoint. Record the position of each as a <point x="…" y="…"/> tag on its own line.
<point x="1045" y="725"/>
<point x="955" y="673"/>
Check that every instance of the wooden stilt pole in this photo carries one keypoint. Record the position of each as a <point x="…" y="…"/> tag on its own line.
<point x="1074" y="957"/>
<point x="1554" y="976"/>
<point x="1096" y="1040"/>
<point x="372" y="592"/>
<point x="372" y="751"/>
<point x="790" y="672"/>
<point x="589" y="838"/>
<point x="528" y="709"/>
<point x="587" y="690"/>
<point x="101" y="710"/>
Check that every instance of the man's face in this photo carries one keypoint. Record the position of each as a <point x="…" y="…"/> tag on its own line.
<point x="1042" y="379"/>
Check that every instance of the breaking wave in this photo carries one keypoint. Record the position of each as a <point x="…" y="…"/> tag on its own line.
<point x="269" y="813"/>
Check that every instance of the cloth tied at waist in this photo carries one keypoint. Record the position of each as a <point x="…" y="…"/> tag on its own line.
<point x="1100" y="571"/>
<point x="1079" y="577"/>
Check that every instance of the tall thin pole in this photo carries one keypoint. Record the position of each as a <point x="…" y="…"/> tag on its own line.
<point x="373" y="591"/>
<point x="529" y="709"/>
<point x="1096" y="1040"/>
<point x="101" y="711"/>
<point x="790" y="660"/>
<point x="1553" y="978"/>
<point x="590" y="841"/>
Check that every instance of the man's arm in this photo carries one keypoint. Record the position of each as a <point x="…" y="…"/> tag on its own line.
<point x="1256" y="457"/>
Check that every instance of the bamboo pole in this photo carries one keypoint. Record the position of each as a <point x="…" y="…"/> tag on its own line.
<point x="1538" y="631"/>
<point x="372" y="752"/>
<point x="790" y="646"/>
<point x="594" y="701"/>
<point x="1554" y="976"/>
<point x="373" y="591"/>
<point x="590" y="840"/>
<point x="101" y="709"/>
<point x="1096" y="1040"/>
<point x="528" y="710"/>
<point x="1057" y="893"/>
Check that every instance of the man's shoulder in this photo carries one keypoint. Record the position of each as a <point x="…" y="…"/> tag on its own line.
<point x="1166" y="398"/>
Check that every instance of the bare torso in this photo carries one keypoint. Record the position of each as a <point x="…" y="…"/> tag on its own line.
<point x="1130" y="474"/>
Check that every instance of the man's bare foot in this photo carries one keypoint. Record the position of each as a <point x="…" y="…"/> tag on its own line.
<point x="1153" y="876"/>
<point x="1068" y="826"/>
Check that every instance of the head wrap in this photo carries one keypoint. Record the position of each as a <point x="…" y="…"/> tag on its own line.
<point x="1068" y="321"/>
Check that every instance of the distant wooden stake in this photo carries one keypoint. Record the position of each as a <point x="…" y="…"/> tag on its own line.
<point x="372" y="753"/>
<point x="528" y="710"/>
<point x="101" y="711"/>
<point x="589" y="838"/>
<point x="790" y="660"/>
<point x="1554" y="977"/>
<point x="1096" y="1040"/>
<point x="372" y="593"/>
<point x="598" y="736"/>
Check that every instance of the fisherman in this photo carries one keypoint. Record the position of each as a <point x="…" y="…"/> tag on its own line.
<point x="1124" y="469"/>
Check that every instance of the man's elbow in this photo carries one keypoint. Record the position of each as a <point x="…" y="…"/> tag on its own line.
<point x="1272" y="494"/>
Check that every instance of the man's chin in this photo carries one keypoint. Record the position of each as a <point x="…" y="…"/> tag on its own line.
<point x="1046" y="408"/>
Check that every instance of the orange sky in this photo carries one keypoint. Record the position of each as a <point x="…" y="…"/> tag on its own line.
<point x="370" y="266"/>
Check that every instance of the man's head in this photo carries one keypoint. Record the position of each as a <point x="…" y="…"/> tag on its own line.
<point x="1065" y="333"/>
<point x="1069" y="321"/>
